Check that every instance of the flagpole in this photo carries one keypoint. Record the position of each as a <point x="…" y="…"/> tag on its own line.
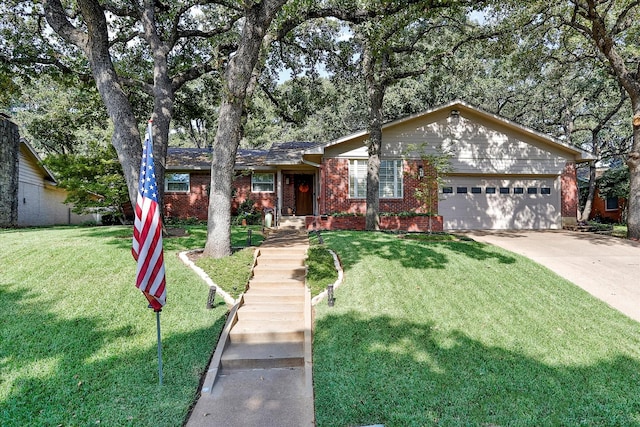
<point x="159" y="346"/>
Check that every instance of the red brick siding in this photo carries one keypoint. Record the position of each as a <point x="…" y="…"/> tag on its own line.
<point x="334" y="196"/>
<point x="193" y="204"/>
<point x="599" y="209"/>
<point x="242" y="187"/>
<point x="416" y="223"/>
<point x="569" y="191"/>
<point x="196" y="203"/>
<point x="288" y="193"/>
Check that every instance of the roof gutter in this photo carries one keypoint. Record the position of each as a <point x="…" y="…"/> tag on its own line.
<point x="307" y="162"/>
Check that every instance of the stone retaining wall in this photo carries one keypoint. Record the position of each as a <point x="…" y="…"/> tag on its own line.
<point x="9" y="150"/>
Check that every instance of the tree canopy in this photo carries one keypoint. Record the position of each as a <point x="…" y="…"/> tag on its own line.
<point x="222" y="74"/>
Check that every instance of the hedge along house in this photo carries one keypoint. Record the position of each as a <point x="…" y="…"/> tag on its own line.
<point x="504" y="176"/>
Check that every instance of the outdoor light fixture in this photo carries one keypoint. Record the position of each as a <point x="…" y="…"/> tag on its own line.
<point x="420" y="172"/>
<point x="211" y="297"/>
<point x="330" y="298"/>
<point x="455" y="116"/>
<point x="286" y="180"/>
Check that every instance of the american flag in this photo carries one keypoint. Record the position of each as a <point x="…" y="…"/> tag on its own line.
<point x="147" y="232"/>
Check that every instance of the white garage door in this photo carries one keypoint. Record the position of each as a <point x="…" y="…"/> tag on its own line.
<point x="475" y="203"/>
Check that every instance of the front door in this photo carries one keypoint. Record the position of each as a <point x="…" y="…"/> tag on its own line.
<point x="304" y="194"/>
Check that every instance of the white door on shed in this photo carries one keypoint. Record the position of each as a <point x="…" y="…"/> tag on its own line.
<point x="509" y="203"/>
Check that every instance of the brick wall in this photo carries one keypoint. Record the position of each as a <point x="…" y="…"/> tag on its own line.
<point x="335" y="191"/>
<point x="288" y="193"/>
<point x="414" y="224"/>
<point x="569" y="194"/>
<point x="9" y="151"/>
<point x="242" y="186"/>
<point x="599" y="209"/>
<point x="193" y="204"/>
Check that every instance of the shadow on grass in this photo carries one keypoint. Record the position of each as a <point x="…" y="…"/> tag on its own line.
<point x="353" y="246"/>
<point x="382" y="370"/>
<point x="195" y="238"/>
<point x="64" y="375"/>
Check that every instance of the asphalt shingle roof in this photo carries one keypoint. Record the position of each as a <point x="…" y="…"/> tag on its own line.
<point x="278" y="154"/>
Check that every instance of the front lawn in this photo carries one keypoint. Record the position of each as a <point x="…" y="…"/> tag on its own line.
<point x="461" y="333"/>
<point x="77" y="341"/>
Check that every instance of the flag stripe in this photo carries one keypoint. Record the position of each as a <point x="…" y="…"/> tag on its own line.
<point x="147" y="232"/>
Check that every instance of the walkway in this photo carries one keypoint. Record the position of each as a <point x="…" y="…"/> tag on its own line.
<point x="606" y="267"/>
<point x="260" y="374"/>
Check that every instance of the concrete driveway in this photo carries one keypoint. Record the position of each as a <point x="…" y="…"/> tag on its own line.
<point x="606" y="267"/>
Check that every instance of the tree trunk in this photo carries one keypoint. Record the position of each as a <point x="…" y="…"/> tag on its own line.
<point x="375" y="90"/>
<point x="606" y="43"/>
<point x="95" y="45"/>
<point x="236" y="79"/>
<point x="588" y="204"/>
<point x="633" y="161"/>
<point x="163" y="96"/>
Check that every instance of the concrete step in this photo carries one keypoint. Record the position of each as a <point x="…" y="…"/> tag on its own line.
<point x="271" y="313"/>
<point x="281" y="271"/>
<point x="277" y="292"/>
<point x="255" y="297"/>
<point x="282" y="260"/>
<point x="285" y="307"/>
<point x="261" y="331"/>
<point x="262" y="355"/>
<point x="289" y="251"/>
<point x="271" y="283"/>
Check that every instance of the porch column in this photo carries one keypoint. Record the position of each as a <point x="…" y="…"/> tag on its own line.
<point x="569" y="194"/>
<point x="279" y="195"/>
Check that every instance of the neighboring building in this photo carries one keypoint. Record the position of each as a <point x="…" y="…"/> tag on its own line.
<point x="609" y="209"/>
<point x="504" y="176"/>
<point x="29" y="195"/>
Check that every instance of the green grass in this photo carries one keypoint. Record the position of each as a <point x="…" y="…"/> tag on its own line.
<point x="321" y="270"/>
<point x="231" y="274"/>
<point x="619" y="230"/>
<point x="460" y="333"/>
<point x="77" y="341"/>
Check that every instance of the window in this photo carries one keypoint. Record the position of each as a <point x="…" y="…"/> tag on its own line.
<point x="490" y="190"/>
<point x="504" y="190"/>
<point x="358" y="179"/>
<point x="262" y="183"/>
<point x="518" y="190"/>
<point x="461" y="190"/>
<point x="532" y="190"/>
<point x="390" y="179"/>
<point x="176" y="182"/>
<point x="545" y="190"/>
<point x="476" y="190"/>
<point x="611" y="204"/>
<point x="447" y="190"/>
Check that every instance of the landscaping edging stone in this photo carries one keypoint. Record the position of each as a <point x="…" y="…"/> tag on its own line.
<point x="184" y="257"/>
<point x="338" y="266"/>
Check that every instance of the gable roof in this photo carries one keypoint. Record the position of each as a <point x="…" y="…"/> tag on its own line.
<point x="32" y="155"/>
<point x="464" y="107"/>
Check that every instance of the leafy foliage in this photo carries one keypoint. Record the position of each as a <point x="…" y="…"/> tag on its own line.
<point x="614" y="183"/>
<point x="92" y="181"/>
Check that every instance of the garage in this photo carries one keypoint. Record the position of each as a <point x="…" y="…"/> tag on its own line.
<point x="500" y="203"/>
